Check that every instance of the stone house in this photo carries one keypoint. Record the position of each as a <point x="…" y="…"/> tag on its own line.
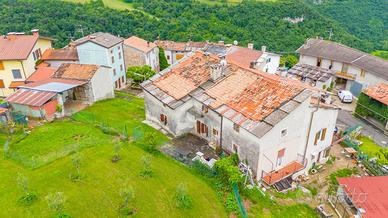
<point x="18" y="55"/>
<point x="103" y="49"/>
<point x="271" y="122"/>
<point x="354" y="70"/>
<point x="139" y="52"/>
<point x="71" y="88"/>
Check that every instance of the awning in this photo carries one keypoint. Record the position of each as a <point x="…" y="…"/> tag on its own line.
<point x="15" y="84"/>
<point x="30" y="97"/>
<point x="277" y="175"/>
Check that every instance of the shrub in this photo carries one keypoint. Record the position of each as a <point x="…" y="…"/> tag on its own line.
<point x="126" y="207"/>
<point x="28" y="197"/>
<point x="182" y="198"/>
<point x="146" y="170"/>
<point x="231" y="203"/>
<point x="76" y="162"/>
<point x="151" y="144"/>
<point x="140" y="73"/>
<point x="228" y="171"/>
<point x="203" y="169"/>
<point x="56" y="203"/>
<point x="116" y="156"/>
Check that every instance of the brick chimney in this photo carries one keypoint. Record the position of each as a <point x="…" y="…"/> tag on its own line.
<point x="250" y="46"/>
<point x="263" y="48"/>
<point x="35" y="32"/>
<point x="215" y="72"/>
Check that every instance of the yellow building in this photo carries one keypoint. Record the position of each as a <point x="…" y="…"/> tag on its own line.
<point x="18" y="55"/>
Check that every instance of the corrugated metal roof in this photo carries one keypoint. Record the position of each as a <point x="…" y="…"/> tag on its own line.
<point x="55" y="87"/>
<point x="30" y="97"/>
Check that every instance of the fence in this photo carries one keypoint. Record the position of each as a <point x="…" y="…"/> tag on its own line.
<point x="238" y="199"/>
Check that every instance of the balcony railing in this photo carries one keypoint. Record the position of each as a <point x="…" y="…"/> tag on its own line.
<point x="345" y="75"/>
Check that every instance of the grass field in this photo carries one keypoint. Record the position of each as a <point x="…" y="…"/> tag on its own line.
<point x="97" y="194"/>
<point x="370" y="148"/>
<point x="114" y="4"/>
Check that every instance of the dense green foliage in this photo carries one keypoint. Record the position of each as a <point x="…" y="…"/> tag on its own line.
<point x="367" y="106"/>
<point x="163" y="64"/>
<point x="260" y="22"/>
<point x="140" y="73"/>
<point x="381" y="54"/>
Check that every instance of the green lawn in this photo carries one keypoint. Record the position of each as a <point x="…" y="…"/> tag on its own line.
<point x="370" y="148"/>
<point x="114" y="4"/>
<point x="97" y="193"/>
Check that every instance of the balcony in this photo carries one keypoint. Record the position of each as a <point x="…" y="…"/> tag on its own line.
<point x="345" y="75"/>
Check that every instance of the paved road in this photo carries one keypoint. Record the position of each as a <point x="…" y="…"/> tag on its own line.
<point x="346" y="118"/>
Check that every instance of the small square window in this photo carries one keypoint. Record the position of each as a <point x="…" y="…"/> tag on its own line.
<point x="284" y="132"/>
<point x="236" y="127"/>
<point x="205" y="109"/>
<point x="215" y="132"/>
<point x="17" y="74"/>
<point x="114" y="72"/>
<point x="113" y="60"/>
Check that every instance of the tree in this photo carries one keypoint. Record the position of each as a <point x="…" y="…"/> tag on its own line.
<point x="140" y="74"/>
<point x="56" y="203"/>
<point x="182" y="198"/>
<point x="127" y="196"/>
<point x="146" y="170"/>
<point x="288" y="61"/>
<point x="163" y="64"/>
<point x="28" y="197"/>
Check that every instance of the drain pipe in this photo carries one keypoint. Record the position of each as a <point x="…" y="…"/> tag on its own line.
<point x="309" y="130"/>
<point x="222" y="122"/>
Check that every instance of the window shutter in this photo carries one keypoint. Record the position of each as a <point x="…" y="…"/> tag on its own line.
<point x="206" y="131"/>
<point x="317" y="137"/>
<point x="323" y="134"/>
<point x="2" y="84"/>
<point x="162" y="118"/>
<point x="198" y="127"/>
<point x="281" y="153"/>
<point x="1" y="65"/>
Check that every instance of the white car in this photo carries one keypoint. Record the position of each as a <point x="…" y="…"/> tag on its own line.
<point x="345" y="96"/>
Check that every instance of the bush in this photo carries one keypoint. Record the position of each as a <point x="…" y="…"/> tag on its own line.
<point x="56" y="203"/>
<point x="367" y="106"/>
<point x="28" y="199"/>
<point x="182" y="198"/>
<point x="228" y="171"/>
<point x="140" y="74"/>
<point x="203" y="169"/>
<point x="146" y="169"/>
<point x="231" y="203"/>
<point x="151" y="144"/>
<point x="126" y="207"/>
<point x="116" y="156"/>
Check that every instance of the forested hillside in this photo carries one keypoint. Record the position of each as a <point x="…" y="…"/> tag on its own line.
<point x="261" y="22"/>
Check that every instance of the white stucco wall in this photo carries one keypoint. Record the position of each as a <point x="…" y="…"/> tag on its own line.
<point x="99" y="85"/>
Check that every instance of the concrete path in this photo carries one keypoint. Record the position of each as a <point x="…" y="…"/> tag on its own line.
<point x="346" y="118"/>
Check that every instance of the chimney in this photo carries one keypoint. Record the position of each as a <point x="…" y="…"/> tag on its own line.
<point x="221" y="42"/>
<point x="11" y="35"/>
<point x="263" y="48"/>
<point x="148" y="43"/>
<point x="235" y="42"/>
<point x="250" y="46"/>
<point x="35" y="32"/>
<point x="223" y="62"/>
<point x="215" y="71"/>
<point x="252" y="64"/>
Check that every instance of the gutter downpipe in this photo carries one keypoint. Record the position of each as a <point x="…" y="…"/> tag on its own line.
<point x="24" y="71"/>
<point x="309" y="131"/>
<point x="222" y="123"/>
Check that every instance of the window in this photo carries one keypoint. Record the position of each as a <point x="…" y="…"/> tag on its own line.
<point x="122" y="79"/>
<point x="235" y="148"/>
<point x="37" y="54"/>
<point x="118" y="47"/>
<point x="266" y="70"/>
<point x="215" y="132"/>
<point x="319" y="62"/>
<point x="116" y="84"/>
<point x="202" y="128"/>
<point x="17" y="74"/>
<point x="362" y="73"/>
<point x="323" y="135"/>
<point x="114" y="72"/>
<point x="317" y="135"/>
<point x="113" y="60"/>
<point x="331" y="64"/>
<point x="1" y="65"/>
<point x="119" y="55"/>
<point x="111" y="51"/>
<point x="284" y="132"/>
<point x="168" y="57"/>
<point x="205" y="109"/>
<point x="121" y="67"/>
<point x="236" y="127"/>
<point x="280" y="158"/>
<point x="163" y="119"/>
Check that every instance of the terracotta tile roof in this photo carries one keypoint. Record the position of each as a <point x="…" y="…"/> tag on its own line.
<point x="369" y="193"/>
<point x="15" y="84"/>
<point x="185" y="77"/>
<point x="378" y="92"/>
<point x="180" y="46"/>
<point x="106" y="40"/>
<point x="60" y="54"/>
<point x="242" y="56"/>
<point x="255" y="100"/>
<point x="76" y="71"/>
<point x="30" y="97"/>
<point x="140" y="44"/>
<point x="42" y="73"/>
<point x="16" y="47"/>
<point x="277" y="175"/>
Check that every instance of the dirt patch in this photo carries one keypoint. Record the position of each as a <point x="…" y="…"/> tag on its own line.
<point x="247" y="205"/>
